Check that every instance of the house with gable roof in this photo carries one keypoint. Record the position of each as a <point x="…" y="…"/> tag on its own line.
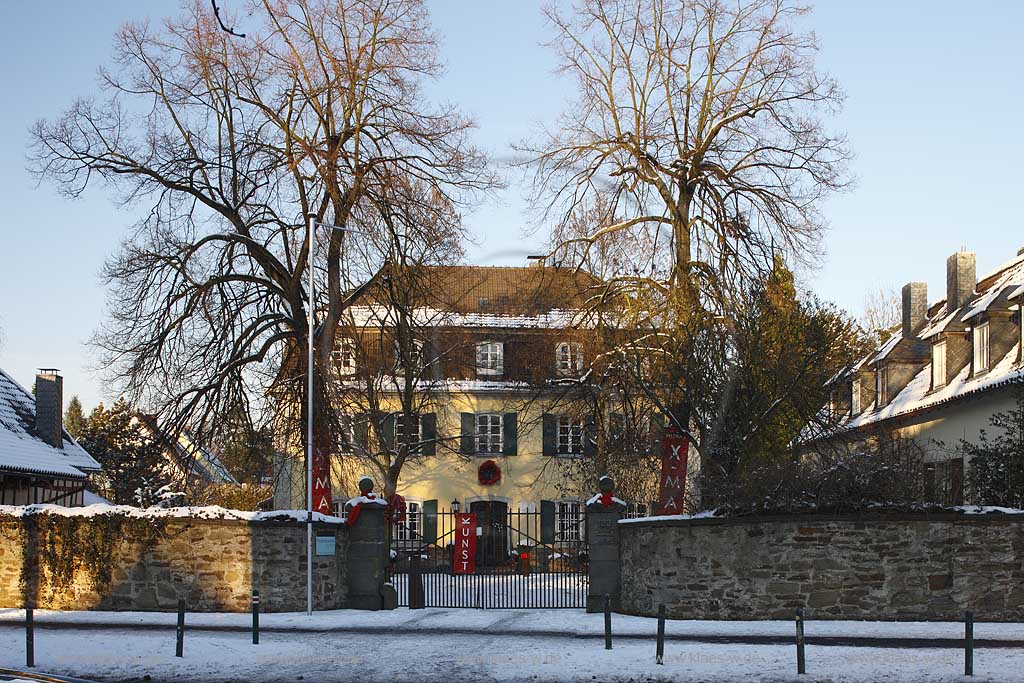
<point x="949" y="367"/>
<point x="40" y="462"/>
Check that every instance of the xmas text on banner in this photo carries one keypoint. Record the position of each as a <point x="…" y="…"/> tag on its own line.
<point x="674" y="452"/>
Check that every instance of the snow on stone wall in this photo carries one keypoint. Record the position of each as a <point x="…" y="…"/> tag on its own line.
<point x="212" y="562"/>
<point x="912" y="568"/>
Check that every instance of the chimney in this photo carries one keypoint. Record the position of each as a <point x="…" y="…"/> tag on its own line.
<point x="961" y="279"/>
<point x="537" y="261"/>
<point x="50" y="407"/>
<point x="915" y="308"/>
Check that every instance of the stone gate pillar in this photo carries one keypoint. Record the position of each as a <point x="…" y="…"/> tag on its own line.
<point x="368" y="552"/>
<point x="603" y="514"/>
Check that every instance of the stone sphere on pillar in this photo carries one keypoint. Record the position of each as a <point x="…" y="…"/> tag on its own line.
<point x="365" y="485"/>
<point x="606" y="484"/>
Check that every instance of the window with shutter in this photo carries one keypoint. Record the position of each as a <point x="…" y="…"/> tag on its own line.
<point x="981" y="348"/>
<point x="489" y="434"/>
<point x="570" y="435"/>
<point x="569" y="358"/>
<point x="938" y="364"/>
<point x="345" y="355"/>
<point x="489" y="358"/>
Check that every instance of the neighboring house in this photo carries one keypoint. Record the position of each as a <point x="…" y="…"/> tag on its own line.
<point x="944" y="373"/>
<point x="189" y="464"/>
<point x="505" y="359"/>
<point x="39" y="461"/>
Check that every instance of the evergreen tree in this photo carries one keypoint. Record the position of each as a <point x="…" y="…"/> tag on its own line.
<point x="74" y="418"/>
<point x="996" y="464"/>
<point x="131" y="460"/>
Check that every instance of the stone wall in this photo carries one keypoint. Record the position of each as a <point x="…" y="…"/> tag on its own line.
<point x="904" y="568"/>
<point x="109" y="562"/>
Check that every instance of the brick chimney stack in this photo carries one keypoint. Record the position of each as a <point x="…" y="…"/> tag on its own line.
<point x="961" y="279"/>
<point x="50" y="407"/>
<point x="915" y="308"/>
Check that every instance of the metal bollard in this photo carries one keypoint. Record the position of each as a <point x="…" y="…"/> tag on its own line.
<point x="255" y="617"/>
<point x="179" y="646"/>
<point x="801" y="662"/>
<point x="607" y="622"/>
<point x="969" y="643"/>
<point x="661" y="635"/>
<point x="30" y="638"/>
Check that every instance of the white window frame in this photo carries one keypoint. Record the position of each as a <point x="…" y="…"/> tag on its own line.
<point x="570" y="435"/>
<point x="981" y="339"/>
<point x="939" y="364"/>
<point x="345" y="355"/>
<point x="410" y="528"/>
<point x="569" y="358"/>
<point x="568" y="520"/>
<point x="855" y="397"/>
<point x="490" y="358"/>
<point x="350" y="435"/>
<point x="401" y="436"/>
<point x="490" y="433"/>
<point x="881" y="386"/>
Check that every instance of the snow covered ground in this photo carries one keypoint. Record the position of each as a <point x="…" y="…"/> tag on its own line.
<point x="490" y="645"/>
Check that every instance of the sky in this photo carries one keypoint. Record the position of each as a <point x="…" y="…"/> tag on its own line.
<point x="933" y="114"/>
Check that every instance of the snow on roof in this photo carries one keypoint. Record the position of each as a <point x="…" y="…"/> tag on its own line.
<point x="377" y="315"/>
<point x="22" y="451"/>
<point x="917" y="395"/>
<point x="207" y="512"/>
<point x="1001" y="285"/>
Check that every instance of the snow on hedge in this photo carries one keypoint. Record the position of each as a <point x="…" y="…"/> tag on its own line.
<point x="208" y="512"/>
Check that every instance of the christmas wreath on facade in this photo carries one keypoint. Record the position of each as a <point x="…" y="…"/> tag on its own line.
<point x="395" y="511"/>
<point x="489" y="473"/>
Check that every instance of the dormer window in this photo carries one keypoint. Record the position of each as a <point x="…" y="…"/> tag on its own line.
<point x="981" y="348"/>
<point x="855" y="406"/>
<point x="569" y="358"/>
<point x="939" y="364"/>
<point x="882" y="385"/>
<point x="345" y="355"/>
<point x="490" y="358"/>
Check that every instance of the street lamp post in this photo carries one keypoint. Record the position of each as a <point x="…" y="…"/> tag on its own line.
<point x="312" y="223"/>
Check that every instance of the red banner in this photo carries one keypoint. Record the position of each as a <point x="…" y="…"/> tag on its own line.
<point x="321" y="483"/>
<point x="675" y="449"/>
<point x="464" y="561"/>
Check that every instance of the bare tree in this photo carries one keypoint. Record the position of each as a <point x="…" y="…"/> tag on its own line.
<point x="881" y="313"/>
<point x="232" y="144"/>
<point x="694" y="154"/>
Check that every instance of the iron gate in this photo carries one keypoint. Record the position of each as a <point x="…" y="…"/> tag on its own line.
<point x="524" y="559"/>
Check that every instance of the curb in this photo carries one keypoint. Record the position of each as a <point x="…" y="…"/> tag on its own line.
<point x="821" y="641"/>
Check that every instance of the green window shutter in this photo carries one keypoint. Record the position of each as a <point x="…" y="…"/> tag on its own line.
<point x="550" y="434"/>
<point x="589" y="439"/>
<point x="657" y="425"/>
<point x="467" y="436"/>
<point x="510" y="434"/>
<point x="547" y="521"/>
<point x="616" y="427"/>
<point x="345" y="422"/>
<point x="388" y="431"/>
<point x="362" y="433"/>
<point x="428" y="430"/>
<point x="429" y="521"/>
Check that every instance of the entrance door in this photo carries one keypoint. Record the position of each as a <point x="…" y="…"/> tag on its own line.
<point x="492" y="546"/>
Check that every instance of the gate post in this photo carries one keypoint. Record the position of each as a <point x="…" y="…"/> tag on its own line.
<point x="603" y="514"/>
<point x="368" y="552"/>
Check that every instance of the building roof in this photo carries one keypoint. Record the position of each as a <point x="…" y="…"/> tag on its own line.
<point x="505" y="290"/>
<point x="995" y="290"/>
<point x="187" y="455"/>
<point x="22" y="451"/>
